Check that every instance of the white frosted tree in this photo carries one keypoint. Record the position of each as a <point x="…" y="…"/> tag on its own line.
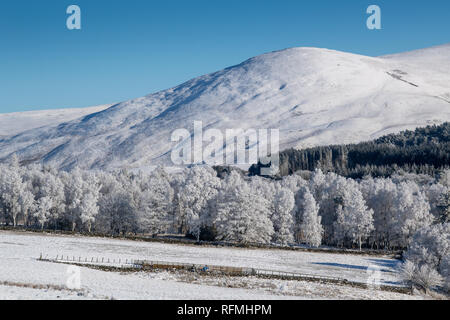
<point x="43" y="213"/>
<point x="430" y="246"/>
<point x="445" y="271"/>
<point x="354" y="218"/>
<point x="27" y="204"/>
<point x="89" y="210"/>
<point x="434" y="193"/>
<point x="117" y="210"/>
<point x="155" y="202"/>
<point x="194" y="199"/>
<point x="282" y="217"/>
<point x="243" y="216"/>
<point x="49" y="185"/>
<point x="443" y="207"/>
<point x="264" y="188"/>
<point x="293" y="182"/>
<point x="11" y="188"/>
<point x="412" y="212"/>
<point x="380" y="195"/>
<point x="328" y="191"/>
<point x="73" y="195"/>
<point x="310" y="228"/>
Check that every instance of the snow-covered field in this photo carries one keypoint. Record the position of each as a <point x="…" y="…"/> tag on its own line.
<point x="19" y="264"/>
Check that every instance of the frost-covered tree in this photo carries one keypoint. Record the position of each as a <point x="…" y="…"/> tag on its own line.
<point x="43" y="214"/>
<point x="422" y="276"/>
<point x="444" y="177"/>
<point x="50" y="186"/>
<point x="282" y="217"/>
<point x="11" y="189"/>
<point x="430" y="245"/>
<point x="380" y="196"/>
<point x="427" y="258"/>
<point x="264" y="188"/>
<point x="438" y="198"/>
<point x="195" y="197"/>
<point x="443" y="207"/>
<point x="155" y="202"/>
<point x="445" y="272"/>
<point x="293" y="182"/>
<point x="328" y="192"/>
<point x="354" y="218"/>
<point x="311" y="230"/>
<point x="412" y="212"/>
<point x="27" y="203"/>
<point x="73" y="196"/>
<point x="89" y="210"/>
<point x="242" y="216"/>
<point x="117" y="206"/>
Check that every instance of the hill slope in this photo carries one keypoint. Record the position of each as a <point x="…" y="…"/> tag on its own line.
<point x="314" y="96"/>
<point x="18" y="122"/>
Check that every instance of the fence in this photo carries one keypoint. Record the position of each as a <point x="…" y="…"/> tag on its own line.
<point x="142" y="265"/>
<point x="90" y="261"/>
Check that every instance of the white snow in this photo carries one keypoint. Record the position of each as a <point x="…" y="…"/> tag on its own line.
<point x="18" y="122"/>
<point x="313" y="96"/>
<point x="19" y="253"/>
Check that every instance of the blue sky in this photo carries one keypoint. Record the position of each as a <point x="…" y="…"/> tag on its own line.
<point x="131" y="48"/>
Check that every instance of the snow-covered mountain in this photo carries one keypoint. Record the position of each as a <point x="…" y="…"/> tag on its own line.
<point x="313" y="96"/>
<point x="18" y="122"/>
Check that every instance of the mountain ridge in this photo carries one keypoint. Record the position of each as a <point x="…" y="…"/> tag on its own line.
<point x="314" y="96"/>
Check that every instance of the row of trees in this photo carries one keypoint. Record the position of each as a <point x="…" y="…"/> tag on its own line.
<point x="422" y="151"/>
<point x="323" y="209"/>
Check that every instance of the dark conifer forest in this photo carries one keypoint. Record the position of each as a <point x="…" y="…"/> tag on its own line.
<point x="422" y="151"/>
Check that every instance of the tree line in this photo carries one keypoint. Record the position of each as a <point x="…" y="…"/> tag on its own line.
<point x="422" y="151"/>
<point x="322" y="208"/>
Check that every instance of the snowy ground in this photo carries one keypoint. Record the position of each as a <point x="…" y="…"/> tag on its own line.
<point x="20" y="270"/>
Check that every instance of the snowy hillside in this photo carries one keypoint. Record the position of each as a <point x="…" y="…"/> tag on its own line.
<point x="313" y="96"/>
<point x="18" y="122"/>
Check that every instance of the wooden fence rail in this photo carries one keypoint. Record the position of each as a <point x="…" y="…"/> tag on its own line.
<point x="213" y="270"/>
